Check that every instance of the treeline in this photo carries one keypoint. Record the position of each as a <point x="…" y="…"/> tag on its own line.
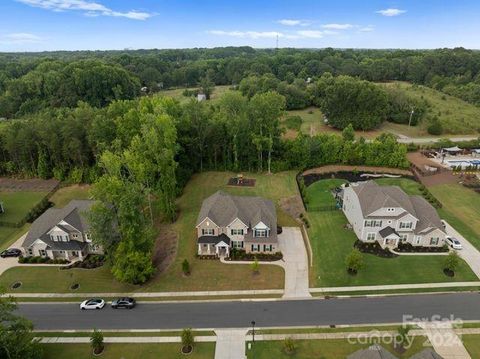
<point x="454" y="71"/>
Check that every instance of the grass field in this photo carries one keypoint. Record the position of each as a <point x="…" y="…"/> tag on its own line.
<point x="206" y="274"/>
<point x="457" y="116"/>
<point x="319" y="193"/>
<point x="8" y="235"/>
<point x="127" y="351"/>
<point x="178" y="93"/>
<point x="331" y="242"/>
<point x="65" y="194"/>
<point x="324" y="349"/>
<point x="472" y="344"/>
<point x="18" y="204"/>
<point x="461" y="208"/>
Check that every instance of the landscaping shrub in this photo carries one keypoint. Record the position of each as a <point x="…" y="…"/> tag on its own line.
<point x="96" y="340"/>
<point x="354" y="261"/>
<point x="409" y="248"/>
<point x="293" y="122"/>
<point x="43" y="260"/>
<point x="435" y="128"/>
<point x="187" y="340"/>
<point x="374" y="248"/>
<point x="186" y="267"/>
<point x="90" y="262"/>
<point x="241" y="255"/>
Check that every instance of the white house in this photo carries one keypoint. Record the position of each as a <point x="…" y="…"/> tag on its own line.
<point x="387" y="215"/>
<point x="61" y="233"/>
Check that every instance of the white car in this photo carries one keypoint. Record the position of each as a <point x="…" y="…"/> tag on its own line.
<point x="454" y="243"/>
<point x="95" y="303"/>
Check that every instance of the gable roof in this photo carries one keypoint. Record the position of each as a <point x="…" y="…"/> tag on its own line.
<point x="387" y="231"/>
<point x="373" y="197"/>
<point x="72" y="213"/>
<point x="223" y="209"/>
<point x="427" y="354"/>
<point x="373" y="352"/>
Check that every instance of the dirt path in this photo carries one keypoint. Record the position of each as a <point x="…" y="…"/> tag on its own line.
<point x="337" y="168"/>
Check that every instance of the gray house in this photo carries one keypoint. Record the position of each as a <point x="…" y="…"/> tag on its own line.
<point x="387" y="215"/>
<point x="61" y="233"/>
<point x="246" y="223"/>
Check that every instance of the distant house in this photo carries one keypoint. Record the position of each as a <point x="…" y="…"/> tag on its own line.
<point x="245" y="223"/>
<point x="201" y="97"/>
<point x="373" y="352"/>
<point x="387" y="215"/>
<point x="61" y="233"/>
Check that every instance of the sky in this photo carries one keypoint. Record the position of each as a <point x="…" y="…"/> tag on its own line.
<point x="46" y="25"/>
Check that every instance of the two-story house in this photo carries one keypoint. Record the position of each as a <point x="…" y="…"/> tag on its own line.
<point x="61" y="233"/>
<point x="387" y="215"/>
<point x="242" y="222"/>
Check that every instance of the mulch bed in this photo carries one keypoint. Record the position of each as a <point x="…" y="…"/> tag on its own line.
<point x="408" y="248"/>
<point x="374" y="248"/>
<point x="34" y="185"/>
<point x="165" y="249"/>
<point x="246" y="182"/>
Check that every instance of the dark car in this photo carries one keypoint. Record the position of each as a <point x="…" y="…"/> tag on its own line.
<point x="11" y="252"/>
<point x="127" y="303"/>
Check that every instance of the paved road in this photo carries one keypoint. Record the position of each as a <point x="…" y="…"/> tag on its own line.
<point x="237" y="314"/>
<point x="425" y="140"/>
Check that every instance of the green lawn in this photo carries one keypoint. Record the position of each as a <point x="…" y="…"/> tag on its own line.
<point x="321" y="349"/>
<point x="319" y="193"/>
<point x="461" y="208"/>
<point x="65" y="194"/>
<point x="18" y="204"/>
<point x="127" y="351"/>
<point x="472" y="344"/>
<point x="206" y="274"/>
<point x="8" y="235"/>
<point x="456" y="116"/>
<point x="178" y="93"/>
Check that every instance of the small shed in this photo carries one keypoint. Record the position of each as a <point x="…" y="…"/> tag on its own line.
<point x="201" y="97"/>
<point x="452" y="150"/>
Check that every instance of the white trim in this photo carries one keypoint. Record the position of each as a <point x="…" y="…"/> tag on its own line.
<point x="198" y="225"/>
<point x="261" y="223"/>
<point x="37" y="241"/>
<point x="235" y="219"/>
<point x="221" y="244"/>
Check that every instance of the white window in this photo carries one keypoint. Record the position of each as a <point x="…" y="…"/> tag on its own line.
<point x="418" y="239"/>
<point x="42" y="252"/>
<point x="377" y="223"/>
<point x="403" y="237"/>
<point x="371" y="236"/>
<point x="255" y="247"/>
<point x="260" y="233"/>
<point x="87" y="237"/>
<point x="390" y="209"/>
<point x="236" y="232"/>
<point x="405" y="225"/>
<point x="434" y="241"/>
<point x="208" y="231"/>
<point x="369" y="223"/>
<point x="237" y="244"/>
<point x="267" y="247"/>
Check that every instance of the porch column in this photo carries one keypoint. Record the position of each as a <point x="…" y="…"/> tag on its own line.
<point x="209" y="251"/>
<point x="66" y="256"/>
<point x="199" y="249"/>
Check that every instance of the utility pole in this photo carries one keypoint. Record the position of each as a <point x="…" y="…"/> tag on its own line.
<point x="411" y="114"/>
<point x="276" y="47"/>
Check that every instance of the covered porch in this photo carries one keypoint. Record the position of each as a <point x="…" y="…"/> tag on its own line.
<point x="389" y="238"/>
<point x="218" y="246"/>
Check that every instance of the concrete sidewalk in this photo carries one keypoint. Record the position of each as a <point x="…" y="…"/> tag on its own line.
<point x="445" y="340"/>
<point x="230" y="344"/>
<point x="131" y="340"/>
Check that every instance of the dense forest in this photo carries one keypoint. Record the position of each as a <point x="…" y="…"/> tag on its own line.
<point x="95" y="117"/>
<point x="31" y="81"/>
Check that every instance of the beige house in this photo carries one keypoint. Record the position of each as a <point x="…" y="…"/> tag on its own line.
<point x="61" y="233"/>
<point x="241" y="222"/>
<point x="387" y="215"/>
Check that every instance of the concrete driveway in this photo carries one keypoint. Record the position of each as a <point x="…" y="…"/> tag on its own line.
<point x="469" y="253"/>
<point x="295" y="263"/>
<point x="7" y="263"/>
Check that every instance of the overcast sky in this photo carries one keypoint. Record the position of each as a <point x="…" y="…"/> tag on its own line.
<point x="37" y="25"/>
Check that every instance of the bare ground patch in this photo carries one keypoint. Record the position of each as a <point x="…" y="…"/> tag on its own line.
<point x="33" y="185"/>
<point x="165" y="249"/>
<point x="338" y="168"/>
<point x="293" y="206"/>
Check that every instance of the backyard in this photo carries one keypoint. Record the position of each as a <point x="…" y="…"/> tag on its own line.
<point x="324" y="348"/>
<point x="331" y="242"/>
<point x="205" y="274"/>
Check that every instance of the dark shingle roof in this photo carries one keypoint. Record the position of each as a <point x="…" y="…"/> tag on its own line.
<point x="214" y="239"/>
<point x="373" y="352"/>
<point x="385" y="232"/>
<point x="427" y="354"/>
<point x="223" y="208"/>
<point x="72" y="213"/>
<point x="373" y="197"/>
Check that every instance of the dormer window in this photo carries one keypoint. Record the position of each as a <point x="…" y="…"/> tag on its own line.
<point x="260" y="232"/>
<point x="390" y="209"/>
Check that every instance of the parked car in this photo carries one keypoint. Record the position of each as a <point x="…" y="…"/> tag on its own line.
<point x="454" y="243"/>
<point x="95" y="303"/>
<point x="11" y="252"/>
<point x="127" y="303"/>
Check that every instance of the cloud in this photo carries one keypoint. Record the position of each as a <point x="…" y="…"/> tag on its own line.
<point x="248" y="34"/>
<point x="20" y="38"/>
<point x="89" y="8"/>
<point x="337" y="26"/>
<point x="368" y="28"/>
<point x="312" y="34"/>
<point x="294" y="22"/>
<point x="391" y="12"/>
